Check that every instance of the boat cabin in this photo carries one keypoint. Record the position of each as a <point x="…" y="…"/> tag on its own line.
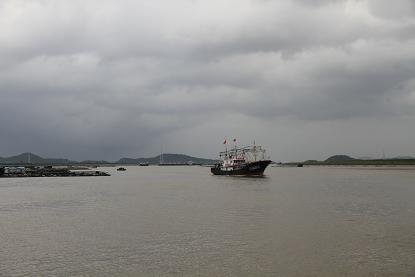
<point x="231" y="162"/>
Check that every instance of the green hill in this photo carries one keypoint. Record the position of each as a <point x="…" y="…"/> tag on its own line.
<point x="167" y="158"/>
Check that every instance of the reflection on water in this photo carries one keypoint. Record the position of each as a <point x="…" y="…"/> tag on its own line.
<point x="182" y="221"/>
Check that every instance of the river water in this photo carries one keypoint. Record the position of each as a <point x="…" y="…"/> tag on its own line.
<point x="182" y="221"/>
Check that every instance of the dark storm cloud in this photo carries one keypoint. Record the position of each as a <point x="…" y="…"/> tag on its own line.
<point x="100" y="79"/>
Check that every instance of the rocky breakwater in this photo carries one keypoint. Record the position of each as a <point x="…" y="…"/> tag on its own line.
<point x="46" y="171"/>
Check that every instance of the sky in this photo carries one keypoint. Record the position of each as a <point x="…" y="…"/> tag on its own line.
<point x="105" y="79"/>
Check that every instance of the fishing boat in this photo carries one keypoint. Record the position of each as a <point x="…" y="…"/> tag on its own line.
<point x="244" y="161"/>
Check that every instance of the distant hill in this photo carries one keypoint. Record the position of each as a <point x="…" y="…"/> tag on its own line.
<point x="30" y="158"/>
<point x="347" y="160"/>
<point x="94" y="162"/>
<point x="25" y="158"/>
<point x="167" y="158"/>
<point x="404" y="158"/>
<point x="339" y="158"/>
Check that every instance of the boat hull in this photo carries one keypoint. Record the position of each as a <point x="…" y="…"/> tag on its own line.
<point x="248" y="169"/>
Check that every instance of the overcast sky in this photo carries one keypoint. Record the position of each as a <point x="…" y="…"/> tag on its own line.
<point x="104" y="79"/>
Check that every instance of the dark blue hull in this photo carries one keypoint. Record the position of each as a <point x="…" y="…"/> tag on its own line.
<point x="248" y="169"/>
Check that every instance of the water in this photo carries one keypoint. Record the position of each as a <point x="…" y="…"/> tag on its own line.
<point x="181" y="221"/>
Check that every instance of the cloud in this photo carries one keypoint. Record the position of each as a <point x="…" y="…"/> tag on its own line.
<point x="101" y="79"/>
<point x="400" y="10"/>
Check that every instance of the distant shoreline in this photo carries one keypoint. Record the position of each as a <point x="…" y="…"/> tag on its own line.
<point x="344" y="160"/>
<point x="357" y="166"/>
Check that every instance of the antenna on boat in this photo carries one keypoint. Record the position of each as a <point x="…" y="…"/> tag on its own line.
<point x="234" y="144"/>
<point x="226" y="148"/>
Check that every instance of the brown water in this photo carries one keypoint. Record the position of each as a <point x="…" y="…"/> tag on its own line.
<point x="182" y="221"/>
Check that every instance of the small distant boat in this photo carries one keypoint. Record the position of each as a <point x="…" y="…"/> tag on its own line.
<point x="143" y="164"/>
<point x="245" y="161"/>
<point x="121" y="169"/>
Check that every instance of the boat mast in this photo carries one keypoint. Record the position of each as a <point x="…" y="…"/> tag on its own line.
<point x="234" y="144"/>
<point x="226" y="148"/>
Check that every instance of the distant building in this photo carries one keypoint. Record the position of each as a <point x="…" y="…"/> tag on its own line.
<point x="14" y="170"/>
